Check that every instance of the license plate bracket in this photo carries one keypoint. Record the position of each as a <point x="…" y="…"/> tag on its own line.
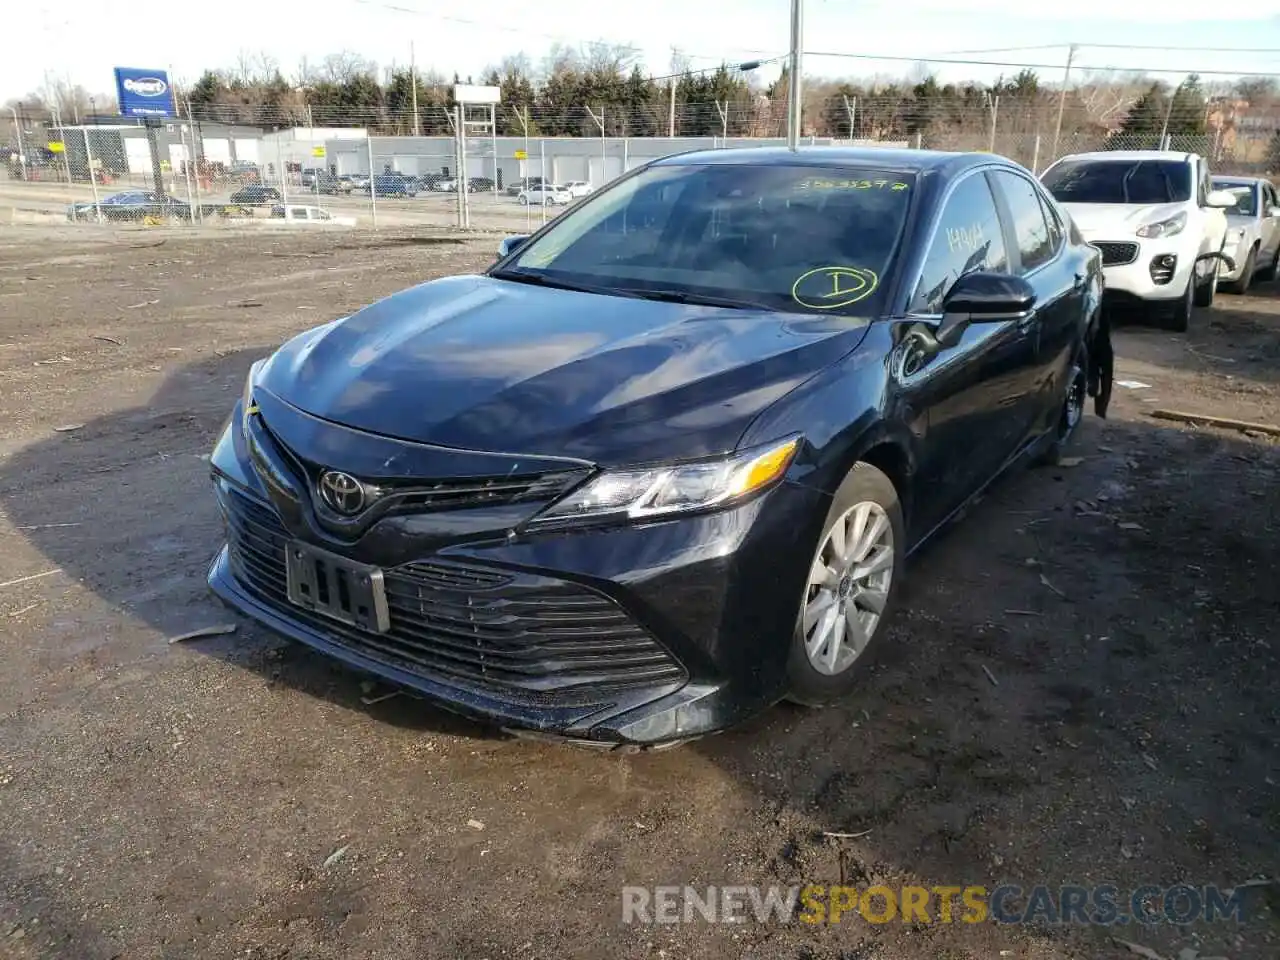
<point x="335" y="587"/>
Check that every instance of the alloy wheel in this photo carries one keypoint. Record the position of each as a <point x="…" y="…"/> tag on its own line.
<point x="848" y="588"/>
<point x="1075" y="400"/>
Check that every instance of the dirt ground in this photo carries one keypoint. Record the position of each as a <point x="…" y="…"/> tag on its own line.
<point x="234" y="797"/>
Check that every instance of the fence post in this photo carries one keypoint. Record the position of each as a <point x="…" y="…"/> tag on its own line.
<point x="995" y="112"/>
<point x="373" y="184"/>
<point x="542" y="150"/>
<point x="1035" y="156"/>
<point x="919" y="140"/>
<point x="93" y="180"/>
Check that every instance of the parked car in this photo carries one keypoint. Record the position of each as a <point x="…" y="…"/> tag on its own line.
<point x="393" y="185"/>
<point x="1157" y="220"/>
<point x="577" y="188"/>
<point x="359" y="181"/>
<point x="1253" y="232"/>
<point x="525" y="183"/>
<point x="655" y="470"/>
<point x="133" y="205"/>
<point x="445" y="185"/>
<point x="550" y="194"/>
<point x="481" y="184"/>
<point x="331" y="184"/>
<point x="310" y="215"/>
<point x="255" y="194"/>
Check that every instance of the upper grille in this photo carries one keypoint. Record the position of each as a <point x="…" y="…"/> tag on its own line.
<point x="1116" y="252"/>
<point x="522" y="637"/>
<point x="458" y="493"/>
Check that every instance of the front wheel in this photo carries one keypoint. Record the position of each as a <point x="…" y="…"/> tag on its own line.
<point x="850" y="590"/>
<point x="1241" y="286"/>
<point x="1207" y="289"/>
<point x="1180" y="320"/>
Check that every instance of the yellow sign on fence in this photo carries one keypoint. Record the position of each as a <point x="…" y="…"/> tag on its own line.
<point x="56" y="146"/>
<point x="522" y="155"/>
<point x="317" y="151"/>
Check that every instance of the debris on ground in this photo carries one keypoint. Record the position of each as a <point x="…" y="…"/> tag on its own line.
<point x="218" y="630"/>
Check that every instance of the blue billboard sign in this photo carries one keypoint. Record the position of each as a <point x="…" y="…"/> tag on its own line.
<point x="144" y="93"/>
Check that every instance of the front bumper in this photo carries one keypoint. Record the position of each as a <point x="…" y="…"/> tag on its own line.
<point x="614" y="636"/>
<point x="1135" y="268"/>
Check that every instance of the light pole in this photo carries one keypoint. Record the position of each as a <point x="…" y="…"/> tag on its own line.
<point x="793" y="87"/>
<point x="22" y="153"/>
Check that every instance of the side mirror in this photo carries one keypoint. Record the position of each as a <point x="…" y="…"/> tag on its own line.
<point x="983" y="298"/>
<point x="1220" y="198"/>
<point x="1273" y="211"/>
<point x="511" y="244"/>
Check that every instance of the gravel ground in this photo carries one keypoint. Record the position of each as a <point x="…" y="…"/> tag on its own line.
<point x="1082" y="688"/>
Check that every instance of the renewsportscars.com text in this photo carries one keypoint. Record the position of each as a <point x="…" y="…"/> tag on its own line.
<point x="1103" y="904"/>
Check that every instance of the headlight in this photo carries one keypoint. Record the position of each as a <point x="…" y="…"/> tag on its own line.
<point x="251" y="381"/>
<point x="1163" y="228"/>
<point x="665" y="490"/>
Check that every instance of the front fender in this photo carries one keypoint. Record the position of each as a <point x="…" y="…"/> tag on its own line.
<point x="843" y="412"/>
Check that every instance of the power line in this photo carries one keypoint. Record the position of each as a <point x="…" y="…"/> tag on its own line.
<point x="1039" y="66"/>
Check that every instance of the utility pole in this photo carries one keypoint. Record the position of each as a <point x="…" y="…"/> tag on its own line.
<point x="793" y="87"/>
<point x="413" y="87"/>
<point x="1062" y="101"/>
<point x="671" y="115"/>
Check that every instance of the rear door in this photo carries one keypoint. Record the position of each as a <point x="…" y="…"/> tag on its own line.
<point x="1038" y="378"/>
<point x="965" y="400"/>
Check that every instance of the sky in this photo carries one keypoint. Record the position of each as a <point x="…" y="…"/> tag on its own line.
<point x="82" y="41"/>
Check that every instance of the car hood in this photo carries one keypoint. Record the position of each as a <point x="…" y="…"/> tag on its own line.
<point x="483" y="364"/>
<point x="1117" y="221"/>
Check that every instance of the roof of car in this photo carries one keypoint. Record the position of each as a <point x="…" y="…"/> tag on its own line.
<point x="911" y="161"/>
<point x="1232" y="178"/>
<point x="1177" y="156"/>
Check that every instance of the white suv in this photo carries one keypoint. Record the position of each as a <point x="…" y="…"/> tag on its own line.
<point x="1157" y="220"/>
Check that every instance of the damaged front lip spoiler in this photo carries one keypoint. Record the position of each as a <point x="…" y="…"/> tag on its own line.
<point x="1218" y="255"/>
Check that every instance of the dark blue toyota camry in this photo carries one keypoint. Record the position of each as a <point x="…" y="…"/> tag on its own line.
<point x="660" y="466"/>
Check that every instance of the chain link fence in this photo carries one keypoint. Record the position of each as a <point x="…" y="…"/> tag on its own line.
<point x="502" y="175"/>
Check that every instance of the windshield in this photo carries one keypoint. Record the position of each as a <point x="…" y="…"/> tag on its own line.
<point x="1246" y="197"/>
<point x="1119" y="181"/>
<point x="782" y="237"/>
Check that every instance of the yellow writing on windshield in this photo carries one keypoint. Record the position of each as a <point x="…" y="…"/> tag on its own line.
<point x="827" y="288"/>
<point x="815" y="183"/>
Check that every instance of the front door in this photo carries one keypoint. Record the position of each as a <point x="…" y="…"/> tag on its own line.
<point x="969" y="400"/>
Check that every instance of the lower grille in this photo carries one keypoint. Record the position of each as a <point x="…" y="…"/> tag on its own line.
<point x="522" y="637"/>
<point x="1116" y="253"/>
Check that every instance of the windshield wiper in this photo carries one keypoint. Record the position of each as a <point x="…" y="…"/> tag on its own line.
<point x="541" y="280"/>
<point x="700" y="299"/>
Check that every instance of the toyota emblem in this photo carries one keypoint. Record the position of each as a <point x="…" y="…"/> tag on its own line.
<point x="342" y="492"/>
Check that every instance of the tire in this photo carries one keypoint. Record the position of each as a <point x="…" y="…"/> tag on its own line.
<point x="524" y="201"/>
<point x="1268" y="273"/>
<point x="1205" y="292"/>
<point x="1180" y="320"/>
<point x="1069" y="419"/>
<point x="835" y="668"/>
<point x="1241" y="286"/>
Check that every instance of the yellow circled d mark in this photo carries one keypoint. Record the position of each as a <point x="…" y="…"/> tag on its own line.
<point x="828" y="288"/>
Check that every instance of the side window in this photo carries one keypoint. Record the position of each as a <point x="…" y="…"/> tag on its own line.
<point x="968" y="239"/>
<point x="1055" y="225"/>
<point x="1029" y="226"/>
<point x="1269" y="197"/>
